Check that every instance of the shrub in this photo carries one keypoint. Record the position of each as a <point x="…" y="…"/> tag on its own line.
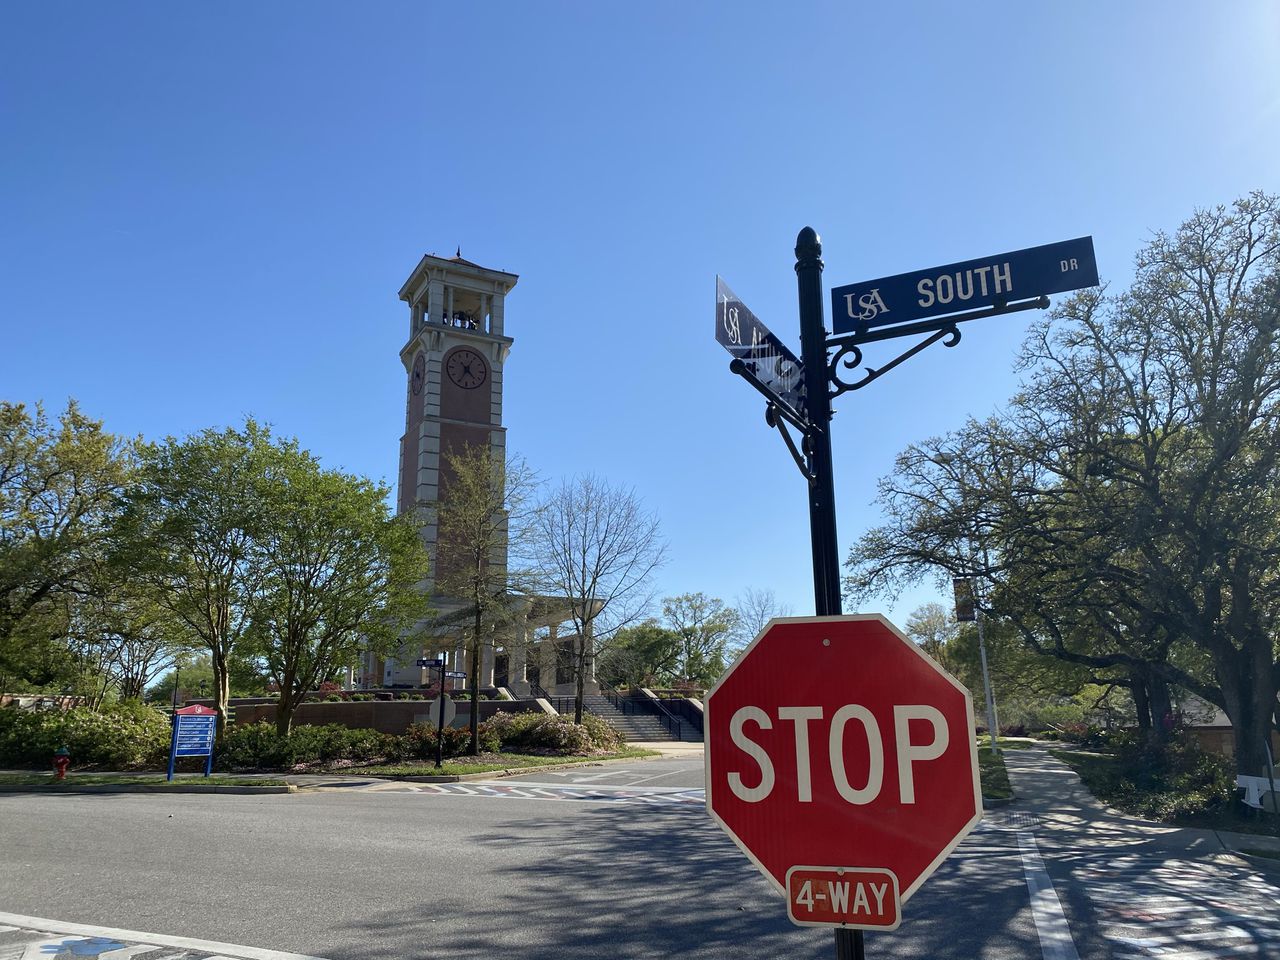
<point x="121" y="736"/>
<point x="553" y="734"/>
<point x="419" y="741"/>
<point x="258" y="746"/>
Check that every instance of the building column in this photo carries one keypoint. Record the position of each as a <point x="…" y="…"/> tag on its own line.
<point x="549" y="662"/>
<point x="486" y="665"/>
<point x="461" y="666"/>
<point x="517" y="651"/>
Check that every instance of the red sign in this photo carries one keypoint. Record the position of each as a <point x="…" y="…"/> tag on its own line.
<point x="843" y="897"/>
<point x="196" y="710"/>
<point x="835" y="741"/>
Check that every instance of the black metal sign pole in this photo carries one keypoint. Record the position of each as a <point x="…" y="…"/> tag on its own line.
<point x="822" y="502"/>
<point x="440" y="721"/>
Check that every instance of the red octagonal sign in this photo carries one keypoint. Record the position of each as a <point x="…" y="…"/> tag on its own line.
<point x="836" y="747"/>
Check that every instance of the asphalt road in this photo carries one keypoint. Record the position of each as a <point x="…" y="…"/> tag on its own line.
<point x="556" y="867"/>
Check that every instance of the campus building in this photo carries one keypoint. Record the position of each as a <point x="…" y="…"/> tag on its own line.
<point x="453" y="362"/>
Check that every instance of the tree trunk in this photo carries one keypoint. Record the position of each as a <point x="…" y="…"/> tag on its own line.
<point x="474" y="749"/>
<point x="1161" y="709"/>
<point x="284" y="713"/>
<point x="1249" y="697"/>
<point x="221" y="693"/>
<point x="579" y="675"/>
<point x="1142" y="704"/>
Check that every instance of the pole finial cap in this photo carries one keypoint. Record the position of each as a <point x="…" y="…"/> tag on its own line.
<point x="808" y="243"/>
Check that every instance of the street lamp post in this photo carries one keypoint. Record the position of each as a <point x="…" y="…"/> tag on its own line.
<point x="969" y="610"/>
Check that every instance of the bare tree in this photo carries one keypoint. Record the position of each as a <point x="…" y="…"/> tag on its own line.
<point x="755" y="609"/>
<point x="597" y="548"/>
<point x="484" y="525"/>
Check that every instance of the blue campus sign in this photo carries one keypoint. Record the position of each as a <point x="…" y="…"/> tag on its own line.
<point x="194" y="728"/>
<point x="971" y="285"/>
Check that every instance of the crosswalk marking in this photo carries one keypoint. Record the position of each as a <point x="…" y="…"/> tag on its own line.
<point x="654" y="796"/>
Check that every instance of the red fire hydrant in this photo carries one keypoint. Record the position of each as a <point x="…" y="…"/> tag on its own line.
<point x="61" y="760"/>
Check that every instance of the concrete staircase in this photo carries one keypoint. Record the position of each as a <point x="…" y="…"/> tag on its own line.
<point x="638" y="726"/>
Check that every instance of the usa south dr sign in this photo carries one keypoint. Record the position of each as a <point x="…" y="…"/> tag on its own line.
<point x="969" y="285"/>
<point x="841" y="759"/>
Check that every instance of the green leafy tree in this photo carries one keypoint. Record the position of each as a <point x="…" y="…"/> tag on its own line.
<point x="704" y="626"/>
<point x="192" y="526"/>
<point x="1124" y="507"/>
<point x="932" y="627"/>
<point x="643" y="654"/>
<point x="337" y="574"/>
<point x="192" y="674"/>
<point x="60" y="486"/>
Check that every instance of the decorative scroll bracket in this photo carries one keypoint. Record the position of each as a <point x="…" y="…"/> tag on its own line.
<point x="849" y="353"/>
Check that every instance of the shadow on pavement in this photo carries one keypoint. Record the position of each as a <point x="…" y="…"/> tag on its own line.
<point x="665" y="883"/>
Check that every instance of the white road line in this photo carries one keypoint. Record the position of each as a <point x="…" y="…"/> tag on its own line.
<point x="659" y="776"/>
<point x="86" y="930"/>
<point x="1046" y="909"/>
<point x="124" y="953"/>
<point x="601" y="787"/>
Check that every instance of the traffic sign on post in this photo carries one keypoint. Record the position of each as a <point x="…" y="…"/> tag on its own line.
<point x="767" y="359"/>
<point x="841" y="759"/>
<point x="972" y="284"/>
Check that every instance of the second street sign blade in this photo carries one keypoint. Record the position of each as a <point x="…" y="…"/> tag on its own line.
<point x="970" y="285"/>
<point x="767" y="358"/>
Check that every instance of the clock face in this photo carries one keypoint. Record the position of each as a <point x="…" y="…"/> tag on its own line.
<point x="467" y="369"/>
<point x="419" y="371"/>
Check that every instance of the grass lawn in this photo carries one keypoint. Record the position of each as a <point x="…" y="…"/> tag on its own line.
<point x="1112" y="783"/>
<point x="994" y="777"/>
<point x="120" y="779"/>
<point x="1010" y="743"/>
<point x="487" y="763"/>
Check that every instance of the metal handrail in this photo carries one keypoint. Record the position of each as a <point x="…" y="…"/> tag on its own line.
<point x="674" y="725"/>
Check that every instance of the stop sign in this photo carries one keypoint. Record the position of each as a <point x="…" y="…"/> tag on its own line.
<point x="835" y="742"/>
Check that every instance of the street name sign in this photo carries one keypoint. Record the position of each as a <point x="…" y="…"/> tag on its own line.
<point x="766" y="357"/>
<point x="841" y="759"/>
<point x="969" y="285"/>
<point x="428" y="662"/>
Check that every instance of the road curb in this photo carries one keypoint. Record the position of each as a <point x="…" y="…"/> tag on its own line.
<point x="45" y="788"/>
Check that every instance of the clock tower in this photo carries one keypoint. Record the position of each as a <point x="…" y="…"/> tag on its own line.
<point x="453" y="361"/>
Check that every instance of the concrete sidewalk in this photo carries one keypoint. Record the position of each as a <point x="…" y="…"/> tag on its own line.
<point x="1062" y="806"/>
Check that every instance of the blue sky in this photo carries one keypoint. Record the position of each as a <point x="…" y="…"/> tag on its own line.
<point x="206" y="212"/>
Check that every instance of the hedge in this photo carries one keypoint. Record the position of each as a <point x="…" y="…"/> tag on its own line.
<point x="134" y="736"/>
<point x="124" y="736"/>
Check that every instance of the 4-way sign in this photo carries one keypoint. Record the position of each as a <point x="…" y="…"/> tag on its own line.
<point x="841" y="759"/>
